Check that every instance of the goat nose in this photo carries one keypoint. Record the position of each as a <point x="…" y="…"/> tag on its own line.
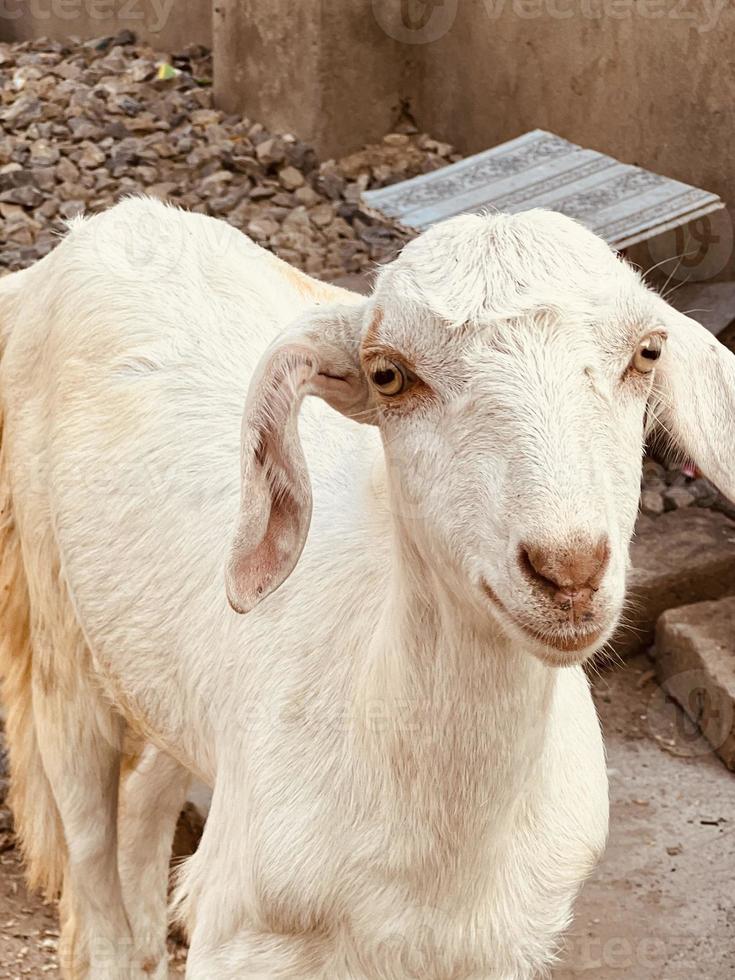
<point x="566" y="570"/>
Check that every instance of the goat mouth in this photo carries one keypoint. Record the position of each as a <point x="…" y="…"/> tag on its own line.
<point x="565" y="641"/>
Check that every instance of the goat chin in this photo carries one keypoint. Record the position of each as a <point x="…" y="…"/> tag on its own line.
<point x="395" y="793"/>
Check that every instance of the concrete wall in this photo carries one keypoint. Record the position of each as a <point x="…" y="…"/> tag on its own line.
<point x="167" y="24"/>
<point x="323" y="69"/>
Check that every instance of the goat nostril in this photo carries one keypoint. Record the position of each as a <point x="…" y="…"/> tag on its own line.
<point x="535" y="563"/>
<point x="567" y="571"/>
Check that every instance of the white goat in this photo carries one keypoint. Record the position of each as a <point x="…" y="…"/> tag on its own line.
<point x="406" y="785"/>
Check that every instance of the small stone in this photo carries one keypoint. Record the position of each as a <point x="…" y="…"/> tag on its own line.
<point x="12" y="213"/>
<point x="307" y="196"/>
<point x="66" y="171"/>
<point x="70" y="209"/>
<point x="651" y="470"/>
<point x="123" y="37"/>
<point x="296" y="218"/>
<point x="44" y="178"/>
<point x="396" y="139"/>
<point x="205" y="117"/>
<point x="84" y="129"/>
<point x="322" y="215"/>
<point x="92" y="156"/>
<point x="163" y="191"/>
<point x="652" y="503"/>
<point x="166" y="149"/>
<point x="330" y="184"/>
<point x="434" y="146"/>
<point x="262" y="228"/>
<point x="13" y="175"/>
<point x="705" y="494"/>
<point x="271" y="151"/>
<point x="20" y="236"/>
<point x="291" y="178"/>
<point x="218" y="177"/>
<point x="677" y="498"/>
<point x="43" y="153"/>
<point x="283" y="200"/>
<point x="28" y="196"/>
<point x="261" y="191"/>
<point x="128" y="105"/>
<point x="22" y="112"/>
<point x="49" y="209"/>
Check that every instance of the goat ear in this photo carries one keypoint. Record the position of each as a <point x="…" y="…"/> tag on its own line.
<point x="694" y="398"/>
<point x="320" y="356"/>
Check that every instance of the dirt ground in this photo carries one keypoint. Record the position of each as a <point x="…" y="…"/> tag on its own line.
<point x="661" y="904"/>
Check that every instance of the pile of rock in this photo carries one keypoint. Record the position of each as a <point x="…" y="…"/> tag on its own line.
<point x="666" y="488"/>
<point x="86" y="124"/>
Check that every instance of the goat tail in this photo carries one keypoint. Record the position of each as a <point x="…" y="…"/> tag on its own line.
<point x="37" y="822"/>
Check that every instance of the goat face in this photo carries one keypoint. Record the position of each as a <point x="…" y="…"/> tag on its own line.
<point x="512" y="364"/>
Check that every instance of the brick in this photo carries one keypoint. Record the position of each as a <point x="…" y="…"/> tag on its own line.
<point x="679" y="558"/>
<point x="695" y="664"/>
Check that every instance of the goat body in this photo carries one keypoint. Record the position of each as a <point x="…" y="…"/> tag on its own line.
<point x="398" y="792"/>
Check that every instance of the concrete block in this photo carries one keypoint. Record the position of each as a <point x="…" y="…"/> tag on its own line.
<point x="695" y="664"/>
<point x="679" y="558"/>
<point x="324" y="70"/>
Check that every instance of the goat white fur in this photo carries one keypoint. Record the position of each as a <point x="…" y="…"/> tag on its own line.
<point x="408" y="772"/>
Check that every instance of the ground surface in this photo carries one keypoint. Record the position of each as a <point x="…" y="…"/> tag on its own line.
<point x="659" y="907"/>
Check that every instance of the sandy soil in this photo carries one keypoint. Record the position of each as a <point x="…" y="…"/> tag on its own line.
<point x="659" y="907"/>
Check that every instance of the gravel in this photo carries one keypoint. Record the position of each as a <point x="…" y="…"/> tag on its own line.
<point x="83" y="125"/>
<point x="665" y="488"/>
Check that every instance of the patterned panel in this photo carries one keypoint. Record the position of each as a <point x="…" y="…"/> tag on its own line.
<point x="623" y="204"/>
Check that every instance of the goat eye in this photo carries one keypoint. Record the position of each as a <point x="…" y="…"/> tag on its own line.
<point x="390" y="379"/>
<point x="649" y="351"/>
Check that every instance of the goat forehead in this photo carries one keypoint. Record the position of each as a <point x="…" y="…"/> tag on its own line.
<point x="474" y="268"/>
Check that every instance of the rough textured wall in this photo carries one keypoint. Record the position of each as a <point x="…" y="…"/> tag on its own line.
<point x="167" y="24"/>
<point x="323" y="69"/>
